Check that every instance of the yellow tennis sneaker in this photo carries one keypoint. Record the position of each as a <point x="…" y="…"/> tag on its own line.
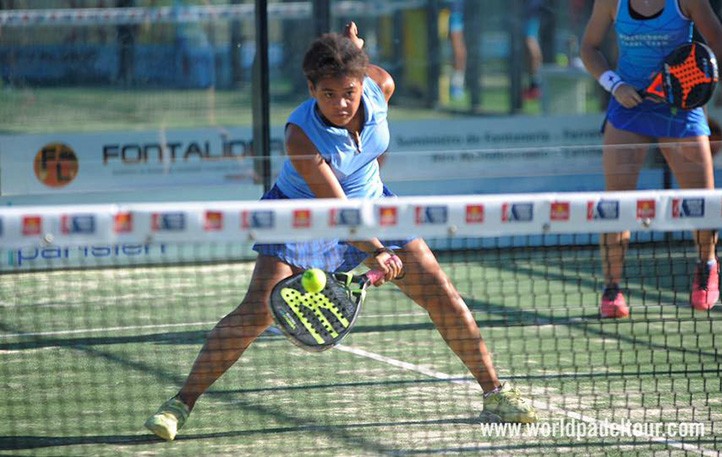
<point x="169" y="418"/>
<point x="507" y="405"/>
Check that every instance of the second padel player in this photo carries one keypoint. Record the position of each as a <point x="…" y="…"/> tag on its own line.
<point x="647" y="31"/>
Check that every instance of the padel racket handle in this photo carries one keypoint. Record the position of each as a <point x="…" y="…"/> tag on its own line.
<point x="395" y="259"/>
<point x="374" y="275"/>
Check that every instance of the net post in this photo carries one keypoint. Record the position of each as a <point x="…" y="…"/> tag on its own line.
<point x="236" y="39"/>
<point x="516" y="56"/>
<point x="472" y="15"/>
<point x="433" y="52"/>
<point x="322" y="16"/>
<point x="261" y="97"/>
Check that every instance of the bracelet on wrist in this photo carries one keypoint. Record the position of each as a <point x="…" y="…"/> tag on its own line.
<point x="383" y="250"/>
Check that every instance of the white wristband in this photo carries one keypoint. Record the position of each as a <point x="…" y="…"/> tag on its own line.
<point x="610" y="81"/>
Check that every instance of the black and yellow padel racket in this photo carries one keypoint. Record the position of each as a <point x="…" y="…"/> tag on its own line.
<point x="317" y="321"/>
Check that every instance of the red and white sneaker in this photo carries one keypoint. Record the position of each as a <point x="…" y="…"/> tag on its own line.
<point x="705" y="289"/>
<point x="613" y="306"/>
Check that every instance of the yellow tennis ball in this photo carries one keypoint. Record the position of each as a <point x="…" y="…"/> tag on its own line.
<point x="313" y="280"/>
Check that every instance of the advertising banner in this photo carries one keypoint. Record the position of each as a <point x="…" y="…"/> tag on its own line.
<point x="75" y="163"/>
<point x="423" y="150"/>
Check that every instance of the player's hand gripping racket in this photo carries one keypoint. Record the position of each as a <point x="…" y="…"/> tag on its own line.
<point x="319" y="321"/>
<point x="687" y="78"/>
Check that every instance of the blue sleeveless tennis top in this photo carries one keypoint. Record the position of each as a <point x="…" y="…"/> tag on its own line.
<point x="644" y="43"/>
<point x="356" y="168"/>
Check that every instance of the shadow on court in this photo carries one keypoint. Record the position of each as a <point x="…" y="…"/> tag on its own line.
<point x="349" y="434"/>
<point x="38" y="442"/>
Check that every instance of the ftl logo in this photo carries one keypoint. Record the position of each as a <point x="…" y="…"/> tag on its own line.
<point x="345" y="217"/>
<point x="474" y="214"/>
<point x="78" y="223"/>
<point x="388" y="216"/>
<point x="168" y="222"/>
<point x="123" y="223"/>
<point x="214" y="221"/>
<point x="301" y="218"/>
<point x="517" y="212"/>
<point x="687" y="207"/>
<point x="646" y="209"/>
<point x="257" y="219"/>
<point x="603" y="209"/>
<point x="560" y="211"/>
<point x="431" y="215"/>
<point x="32" y="225"/>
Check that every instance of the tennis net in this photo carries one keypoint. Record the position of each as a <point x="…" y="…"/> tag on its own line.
<point x="105" y="307"/>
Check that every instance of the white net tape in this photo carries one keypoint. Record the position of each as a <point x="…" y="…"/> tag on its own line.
<point x="292" y="220"/>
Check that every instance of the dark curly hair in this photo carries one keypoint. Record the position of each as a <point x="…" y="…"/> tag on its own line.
<point x="333" y="55"/>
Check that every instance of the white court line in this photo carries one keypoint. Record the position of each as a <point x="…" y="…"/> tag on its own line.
<point x="409" y="314"/>
<point x="540" y="404"/>
<point x="153" y="326"/>
<point x="106" y="329"/>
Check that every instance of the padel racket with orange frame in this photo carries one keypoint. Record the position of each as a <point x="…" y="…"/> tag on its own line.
<point x="687" y="79"/>
<point x="319" y="321"/>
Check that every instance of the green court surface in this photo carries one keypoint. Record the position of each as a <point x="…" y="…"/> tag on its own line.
<point x="87" y="355"/>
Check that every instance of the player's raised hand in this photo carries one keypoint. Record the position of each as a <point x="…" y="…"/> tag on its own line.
<point x="351" y="31"/>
